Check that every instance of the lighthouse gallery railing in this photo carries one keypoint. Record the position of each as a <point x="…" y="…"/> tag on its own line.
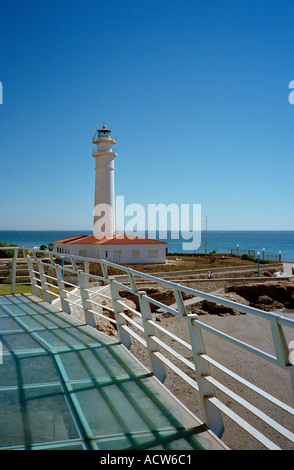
<point x="138" y="325"/>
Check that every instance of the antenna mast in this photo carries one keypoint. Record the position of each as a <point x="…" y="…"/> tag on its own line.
<point x="206" y="232"/>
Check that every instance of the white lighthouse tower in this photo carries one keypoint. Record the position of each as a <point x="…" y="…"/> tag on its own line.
<point x="105" y="243"/>
<point x="104" y="214"/>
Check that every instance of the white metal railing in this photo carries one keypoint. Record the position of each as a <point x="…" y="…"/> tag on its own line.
<point x="141" y="327"/>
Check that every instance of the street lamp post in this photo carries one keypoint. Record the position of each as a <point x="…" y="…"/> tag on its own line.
<point x="280" y="255"/>
<point x="263" y="253"/>
<point x="237" y="248"/>
<point x="258" y="253"/>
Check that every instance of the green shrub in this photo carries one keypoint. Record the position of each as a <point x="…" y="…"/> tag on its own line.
<point x="8" y="253"/>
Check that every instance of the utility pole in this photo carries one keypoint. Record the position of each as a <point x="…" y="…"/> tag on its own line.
<point x="206" y="232"/>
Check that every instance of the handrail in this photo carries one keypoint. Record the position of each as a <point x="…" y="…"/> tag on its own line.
<point x="138" y="324"/>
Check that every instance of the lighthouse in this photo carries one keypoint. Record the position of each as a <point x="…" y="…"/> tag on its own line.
<point x="105" y="243"/>
<point x="104" y="214"/>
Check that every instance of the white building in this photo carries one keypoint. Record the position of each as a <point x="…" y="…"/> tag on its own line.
<point x="105" y="243"/>
<point x="118" y="248"/>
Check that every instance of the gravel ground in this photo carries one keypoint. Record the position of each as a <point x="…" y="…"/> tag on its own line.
<point x="267" y="376"/>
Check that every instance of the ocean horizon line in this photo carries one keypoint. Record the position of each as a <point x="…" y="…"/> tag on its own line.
<point x="221" y="241"/>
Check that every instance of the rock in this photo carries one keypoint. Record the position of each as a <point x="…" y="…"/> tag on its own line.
<point x="265" y="299"/>
<point x="211" y="308"/>
<point x="110" y="314"/>
<point x="235" y="298"/>
<point x="283" y="293"/>
<point x="161" y="294"/>
<point x="105" y="327"/>
<point x="266" y="303"/>
<point x="130" y="304"/>
<point x="206" y="307"/>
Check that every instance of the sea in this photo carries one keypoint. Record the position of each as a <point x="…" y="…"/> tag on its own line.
<point x="221" y="241"/>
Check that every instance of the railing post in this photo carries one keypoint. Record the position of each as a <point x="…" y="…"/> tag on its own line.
<point x="34" y="283"/>
<point x="212" y="416"/>
<point x="180" y="303"/>
<point x="280" y="345"/>
<point x="157" y="365"/>
<point x="13" y="271"/>
<point x="123" y="335"/>
<point x="132" y="282"/>
<point x="87" y="271"/>
<point x="282" y="350"/>
<point x="46" y="295"/>
<point x="74" y="264"/>
<point x="61" y="288"/>
<point x="104" y="270"/>
<point x="62" y="264"/>
<point x="88" y="316"/>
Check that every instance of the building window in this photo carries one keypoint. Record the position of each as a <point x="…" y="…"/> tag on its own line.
<point x="83" y="253"/>
<point x="117" y="255"/>
<point x="153" y="253"/>
<point x="136" y="254"/>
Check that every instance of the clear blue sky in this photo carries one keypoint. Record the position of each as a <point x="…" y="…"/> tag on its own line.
<point x="196" y="93"/>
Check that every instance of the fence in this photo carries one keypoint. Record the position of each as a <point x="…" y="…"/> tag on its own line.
<point x="263" y="255"/>
<point x="169" y="353"/>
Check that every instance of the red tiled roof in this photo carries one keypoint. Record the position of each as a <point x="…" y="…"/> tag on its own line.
<point x="116" y="239"/>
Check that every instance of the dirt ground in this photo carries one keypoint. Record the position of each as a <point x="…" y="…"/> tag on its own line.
<point x="186" y="262"/>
